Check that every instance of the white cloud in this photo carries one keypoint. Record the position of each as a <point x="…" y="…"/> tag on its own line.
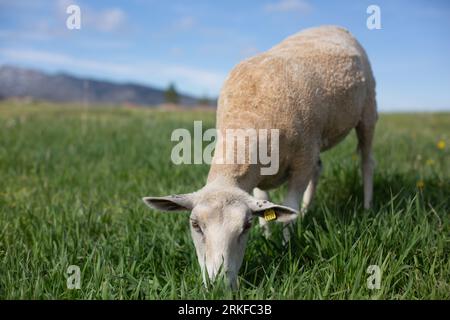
<point x="61" y="60"/>
<point x="187" y="78"/>
<point x="202" y="77"/>
<point x="34" y="35"/>
<point x="299" y="6"/>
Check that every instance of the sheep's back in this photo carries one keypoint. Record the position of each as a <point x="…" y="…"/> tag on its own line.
<point x="313" y="83"/>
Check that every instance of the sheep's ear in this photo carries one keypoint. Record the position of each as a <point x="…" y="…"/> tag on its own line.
<point x="271" y="211"/>
<point x="179" y="202"/>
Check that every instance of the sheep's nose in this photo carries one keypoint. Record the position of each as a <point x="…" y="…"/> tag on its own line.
<point x="211" y="274"/>
<point x="215" y="267"/>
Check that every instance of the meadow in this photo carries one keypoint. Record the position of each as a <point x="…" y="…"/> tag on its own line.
<point x="71" y="182"/>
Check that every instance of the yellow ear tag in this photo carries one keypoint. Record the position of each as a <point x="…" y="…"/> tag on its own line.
<point x="270" y="215"/>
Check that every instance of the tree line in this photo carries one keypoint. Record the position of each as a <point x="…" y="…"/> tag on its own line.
<point x="172" y="96"/>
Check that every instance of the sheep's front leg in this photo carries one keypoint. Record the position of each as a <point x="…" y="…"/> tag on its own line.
<point x="296" y="188"/>
<point x="262" y="195"/>
<point x="311" y="189"/>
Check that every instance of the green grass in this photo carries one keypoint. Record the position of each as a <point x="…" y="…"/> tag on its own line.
<point x="71" y="183"/>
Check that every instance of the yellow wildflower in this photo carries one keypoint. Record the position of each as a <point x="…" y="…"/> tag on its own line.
<point x="430" y="162"/>
<point x="420" y="184"/>
<point x="441" y="145"/>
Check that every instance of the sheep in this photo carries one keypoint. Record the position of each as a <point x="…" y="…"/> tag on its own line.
<point x="314" y="87"/>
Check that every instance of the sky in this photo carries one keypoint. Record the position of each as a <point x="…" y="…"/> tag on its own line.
<point x="195" y="44"/>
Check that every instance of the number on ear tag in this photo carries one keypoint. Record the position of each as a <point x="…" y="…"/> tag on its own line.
<point x="270" y="215"/>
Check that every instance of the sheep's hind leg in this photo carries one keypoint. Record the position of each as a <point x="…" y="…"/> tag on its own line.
<point x="262" y="195"/>
<point x="311" y="189"/>
<point x="365" y="132"/>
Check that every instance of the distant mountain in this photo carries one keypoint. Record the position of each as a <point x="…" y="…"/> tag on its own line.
<point x="61" y="87"/>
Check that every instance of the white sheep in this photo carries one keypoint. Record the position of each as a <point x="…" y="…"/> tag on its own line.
<point x="315" y="87"/>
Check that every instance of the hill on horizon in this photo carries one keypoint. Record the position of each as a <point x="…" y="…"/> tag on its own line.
<point x="18" y="82"/>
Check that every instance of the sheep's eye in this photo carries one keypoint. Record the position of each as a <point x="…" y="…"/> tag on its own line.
<point x="196" y="226"/>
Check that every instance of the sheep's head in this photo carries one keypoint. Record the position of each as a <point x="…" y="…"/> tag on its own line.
<point x="220" y="221"/>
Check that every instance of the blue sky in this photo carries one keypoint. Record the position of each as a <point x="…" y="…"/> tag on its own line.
<point x="196" y="43"/>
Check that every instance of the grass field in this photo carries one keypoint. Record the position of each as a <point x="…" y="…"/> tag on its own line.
<point x="71" y="183"/>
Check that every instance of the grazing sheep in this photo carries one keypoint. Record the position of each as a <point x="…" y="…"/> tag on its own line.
<point x="315" y="87"/>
